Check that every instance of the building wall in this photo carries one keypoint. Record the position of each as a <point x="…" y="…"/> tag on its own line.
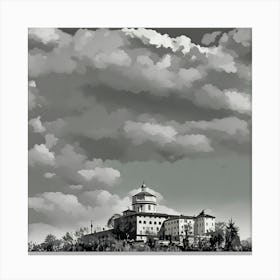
<point x="204" y="225"/>
<point x="145" y="204"/>
<point x="147" y="208"/>
<point x="176" y="228"/>
<point x="148" y="225"/>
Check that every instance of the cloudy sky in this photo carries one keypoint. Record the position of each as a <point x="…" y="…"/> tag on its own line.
<point x="109" y="108"/>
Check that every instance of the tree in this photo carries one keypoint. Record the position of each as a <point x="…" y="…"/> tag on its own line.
<point x="125" y="229"/>
<point x="110" y="223"/>
<point x="217" y="236"/>
<point x="186" y="242"/>
<point x="232" y="240"/>
<point x="51" y="243"/>
<point x="68" y="241"/>
<point x="79" y="233"/>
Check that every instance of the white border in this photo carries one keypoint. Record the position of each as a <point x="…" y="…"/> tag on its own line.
<point x="17" y="16"/>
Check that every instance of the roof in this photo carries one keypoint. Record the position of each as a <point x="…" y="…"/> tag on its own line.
<point x="144" y="193"/>
<point x="146" y="214"/>
<point x="205" y="215"/>
<point x="181" y="217"/>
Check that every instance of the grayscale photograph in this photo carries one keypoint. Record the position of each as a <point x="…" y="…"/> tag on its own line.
<point x="139" y="140"/>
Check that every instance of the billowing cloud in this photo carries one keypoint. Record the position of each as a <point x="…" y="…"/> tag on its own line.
<point x="211" y="96"/>
<point x="209" y="38"/>
<point x="45" y="35"/>
<point x="166" y="137"/>
<point x="103" y="99"/>
<point x="105" y="175"/>
<point x="37" y="125"/>
<point x="51" y="140"/>
<point x="40" y="154"/>
<point x="77" y="169"/>
<point x="108" y="54"/>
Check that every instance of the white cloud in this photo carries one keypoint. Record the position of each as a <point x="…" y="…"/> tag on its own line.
<point x="106" y="175"/>
<point x="76" y="187"/>
<point x="212" y="97"/>
<point x="79" y="170"/>
<point x="230" y="125"/>
<point x="118" y="58"/>
<point x="37" y="125"/>
<point x="151" y="37"/>
<point x="45" y="35"/>
<point x="40" y="154"/>
<point x="167" y="137"/>
<point x="142" y="132"/>
<point x="49" y="175"/>
<point x="117" y="65"/>
<point x="51" y="140"/>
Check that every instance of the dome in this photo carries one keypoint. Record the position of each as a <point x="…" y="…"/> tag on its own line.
<point x="144" y="201"/>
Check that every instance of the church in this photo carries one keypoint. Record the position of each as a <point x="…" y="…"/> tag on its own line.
<point x="144" y="221"/>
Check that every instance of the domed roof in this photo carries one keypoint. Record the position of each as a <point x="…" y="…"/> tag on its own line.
<point x="144" y="191"/>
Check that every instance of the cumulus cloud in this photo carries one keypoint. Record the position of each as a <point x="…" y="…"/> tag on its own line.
<point x="243" y="36"/>
<point x="75" y="167"/>
<point x="45" y="35"/>
<point x="166" y="137"/>
<point x="127" y="95"/>
<point x="152" y="37"/>
<point x="109" y="54"/>
<point x="49" y="175"/>
<point x="106" y="175"/>
<point x="209" y="38"/>
<point x="211" y="96"/>
<point x="51" y="140"/>
<point x="34" y="99"/>
<point x="69" y="211"/>
<point x="41" y="155"/>
<point x="37" y="125"/>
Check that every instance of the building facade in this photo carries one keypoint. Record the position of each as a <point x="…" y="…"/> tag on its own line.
<point x="177" y="228"/>
<point x="143" y="221"/>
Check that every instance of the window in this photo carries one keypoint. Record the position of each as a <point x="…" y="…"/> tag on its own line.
<point x="144" y="222"/>
<point x="157" y="228"/>
<point x="159" y="223"/>
<point x="151" y="228"/>
<point x="149" y="207"/>
<point x="140" y="222"/>
<point x="155" y="222"/>
<point x="150" y="222"/>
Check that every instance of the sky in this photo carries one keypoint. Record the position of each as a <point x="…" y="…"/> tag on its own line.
<point x="111" y="108"/>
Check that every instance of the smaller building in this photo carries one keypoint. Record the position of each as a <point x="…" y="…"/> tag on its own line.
<point x="177" y="228"/>
<point x="204" y="224"/>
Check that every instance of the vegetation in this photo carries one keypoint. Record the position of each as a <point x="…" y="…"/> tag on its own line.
<point x="224" y="238"/>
